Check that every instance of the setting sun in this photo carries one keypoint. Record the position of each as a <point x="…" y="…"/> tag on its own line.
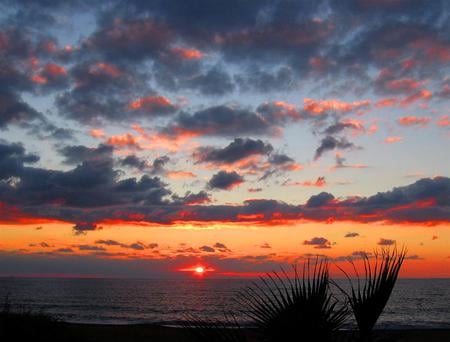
<point x="199" y="270"/>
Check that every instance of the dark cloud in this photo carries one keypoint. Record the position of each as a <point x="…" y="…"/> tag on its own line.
<point x="224" y="120"/>
<point x="139" y="246"/>
<point x="13" y="110"/>
<point x="320" y="200"/>
<point x="207" y="249"/>
<point x="270" y="45"/>
<point x="93" y="182"/>
<point x="221" y="247"/>
<point x="278" y="164"/>
<point x="12" y="159"/>
<point x="131" y="40"/>
<point x="330" y="143"/>
<point x="41" y="14"/>
<point x="338" y="127"/>
<point x="225" y="180"/>
<point x="90" y="248"/>
<point x="386" y="242"/>
<point x="42" y="244"/>
<point x="190" y="198"/>
<point x="257" y="79"/>
<point x="64" y="250"/>
<point x="215" y="82"/>
<point x="79" y="154"/>
<point x="237" y="150"/>
<point x="92" y="192"/>
<point x="351" y="235"/>
<point x="108" y="92"/>
<point x="133" y="161"/>
<point x="280" y="159"/>
<point x="318" y="242"/>
<point x="19" y="48"/>
<point x="108" y="242"/>
<point x="158" y="166"/>
<point x="84" y="227"/>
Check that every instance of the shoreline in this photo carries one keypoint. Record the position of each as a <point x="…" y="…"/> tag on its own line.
<point x="155" y="332"/>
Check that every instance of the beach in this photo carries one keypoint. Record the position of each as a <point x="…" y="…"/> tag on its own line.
<point x="157" y="333"/>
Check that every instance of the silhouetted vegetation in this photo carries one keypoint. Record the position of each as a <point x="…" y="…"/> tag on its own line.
<point x="283" y="306"/>
<point x="21" y="325"/>
<point x="300" y="306"/>
<point x="369" y="296"/>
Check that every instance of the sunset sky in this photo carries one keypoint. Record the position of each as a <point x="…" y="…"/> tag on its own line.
<point x="147" y="138"/>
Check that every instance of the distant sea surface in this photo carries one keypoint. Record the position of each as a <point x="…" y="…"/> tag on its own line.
<point x="415" y="303"/>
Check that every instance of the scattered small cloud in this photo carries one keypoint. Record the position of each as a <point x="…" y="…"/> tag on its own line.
<point x="386" y="242"/>
<point x="318" y="242"/>
<point x="351" y="234"/>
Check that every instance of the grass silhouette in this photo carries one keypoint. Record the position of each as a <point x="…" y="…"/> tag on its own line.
<point x="17" y="325"/>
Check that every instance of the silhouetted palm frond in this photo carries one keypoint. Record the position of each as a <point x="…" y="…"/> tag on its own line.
<point x="298" y="307"/>
<point x="368" y="299"/>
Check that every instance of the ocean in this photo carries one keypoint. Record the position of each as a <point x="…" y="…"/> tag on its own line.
<point x="415" y="303"/>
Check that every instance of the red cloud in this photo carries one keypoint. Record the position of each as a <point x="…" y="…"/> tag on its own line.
<point x="391" y="140"/>
<point x="387" y="102"/>
<point x="318" y="63"/>
<point x="39" y="79"/>
<point x="319" y="182"/>
<point x="444" y="121"/>
<point x="124" y="140"/>
<point x="105" y="68"/>
<point x="176" y="142"/>
<point x="406" y="85"/>
<point x="318" y="107"/>
<point x="433" y="49"/>
<point x="180" y="174"/>
<point x="10" y="214"/>
<point x="423" y="94"/>
<point x="97" y="133"/>
<point x="413" y="121"/>
<point x="150" y="103"/>
<point x="55" y="70"/>
<point x="185" y="53"/>
<point x="50" y="72"/>
<point x="286" y="110"/>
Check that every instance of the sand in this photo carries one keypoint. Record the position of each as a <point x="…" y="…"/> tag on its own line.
<point x="42" y="328"/>
<point x="155" y="333"/>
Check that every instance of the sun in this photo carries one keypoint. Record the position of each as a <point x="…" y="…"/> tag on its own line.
<point x="199" y="270"/>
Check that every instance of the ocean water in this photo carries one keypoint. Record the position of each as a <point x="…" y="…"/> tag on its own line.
<point x="415" y="303"/>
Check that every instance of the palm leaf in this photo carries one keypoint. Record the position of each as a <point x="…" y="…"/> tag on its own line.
<point x="298" y="307"/>
<point x="369" y="296"/>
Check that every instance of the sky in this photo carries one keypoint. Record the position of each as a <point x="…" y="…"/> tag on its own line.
<point x="146" y="138"/>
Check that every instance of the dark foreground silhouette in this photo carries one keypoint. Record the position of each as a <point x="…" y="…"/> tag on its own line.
<point x="39" y="329"/>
